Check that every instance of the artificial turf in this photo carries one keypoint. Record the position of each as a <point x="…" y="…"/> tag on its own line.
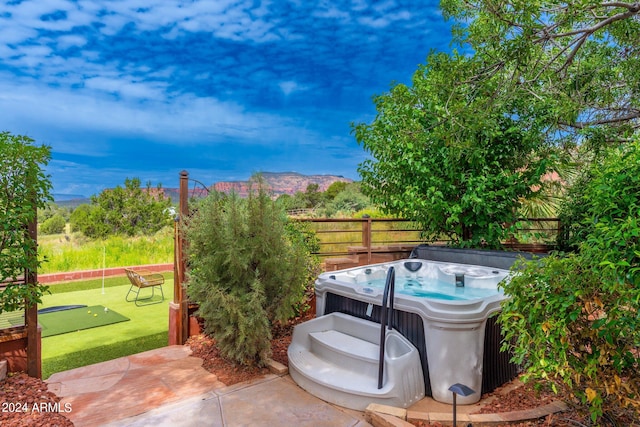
<point x="77" y="319"/>
<point x="102" y="353"/>
<point x="147" y="329"/>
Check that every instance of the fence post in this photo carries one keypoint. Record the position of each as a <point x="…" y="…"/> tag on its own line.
<point x="34" y="343"/>
<point x="366" y="236"/>
<point x="178" y="308"/>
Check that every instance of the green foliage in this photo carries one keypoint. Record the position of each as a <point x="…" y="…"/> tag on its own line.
<point x="23" y="189"/>
<point x="51" y="209"/>
<point x="577" y="61"/>
<point x="462" y="178"/>
<point x="249" y="268"/>
<point x="128" y="210"/>
<point x="371" y="212"/>
<point x="313" y="195"/>
<point x="334" y="189"/>
<point x="80" y="219"/>
<point x="349" y="200"/>
<point x="574" y="319"/>
<point x="287" y="202"/>
<point x="53" y="225"/>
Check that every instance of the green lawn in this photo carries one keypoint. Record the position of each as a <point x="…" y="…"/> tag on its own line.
<point x="147" y="329"/>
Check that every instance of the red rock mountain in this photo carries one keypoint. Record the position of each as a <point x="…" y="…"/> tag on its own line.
<point x="277" y="182"/>
<point x="281" y="183"/>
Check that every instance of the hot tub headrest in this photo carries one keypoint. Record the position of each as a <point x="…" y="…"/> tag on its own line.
<point x="485" y="257"/>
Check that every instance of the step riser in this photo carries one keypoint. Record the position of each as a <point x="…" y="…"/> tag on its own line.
<point x="340" y="359"/>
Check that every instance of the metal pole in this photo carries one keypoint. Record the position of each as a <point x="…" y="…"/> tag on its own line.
<point x="454" y="409"/>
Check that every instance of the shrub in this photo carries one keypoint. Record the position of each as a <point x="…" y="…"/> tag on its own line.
<point x="575" y="318"/>
<point x="249" y="268"/>
<point x="53" y="225"/>
<point x="80" y="218"/>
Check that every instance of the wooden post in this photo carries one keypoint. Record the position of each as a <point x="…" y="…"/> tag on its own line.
<point x="182" y="264"/>
<point x="34" y="357"/>
<point x="179" y="307"/>
<point x="366" y="236"/>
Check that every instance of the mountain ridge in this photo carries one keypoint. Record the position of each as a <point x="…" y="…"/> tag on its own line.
<point x="281" y="183"/>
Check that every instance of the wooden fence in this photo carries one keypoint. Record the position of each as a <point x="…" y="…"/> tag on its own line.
<point x="358" y="241"/>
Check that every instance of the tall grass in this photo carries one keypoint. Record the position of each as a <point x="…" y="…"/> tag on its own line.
<point x="74" y="252"/>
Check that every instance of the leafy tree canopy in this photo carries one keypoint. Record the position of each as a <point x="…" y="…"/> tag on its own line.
<point x="579" y="59"/>
<point x="128" y="210"/>
<point x="463" y="178"/>
<point x="574" y="319"/>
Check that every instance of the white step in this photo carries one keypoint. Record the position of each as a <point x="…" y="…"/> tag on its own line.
<point x="335" y="357"/>
<point x="343" y="349"/>
<point x="335" y="376"/>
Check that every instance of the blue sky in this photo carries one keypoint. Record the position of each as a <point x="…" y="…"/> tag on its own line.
<point x="222" y="89"/>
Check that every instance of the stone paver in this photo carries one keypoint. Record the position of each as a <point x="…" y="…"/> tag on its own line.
<point x="167" y="387"/>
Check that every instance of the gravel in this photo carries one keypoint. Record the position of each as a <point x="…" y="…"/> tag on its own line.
<point x="26" y="401"/>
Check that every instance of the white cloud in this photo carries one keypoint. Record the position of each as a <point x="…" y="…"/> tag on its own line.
<point x="186" y="119"/>
<point x="122" y="87"/>
<point x="289" y="87"/>
<point x="71" y="40"/>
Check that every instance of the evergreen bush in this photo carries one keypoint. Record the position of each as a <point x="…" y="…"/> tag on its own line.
<point x="248" y="268"/>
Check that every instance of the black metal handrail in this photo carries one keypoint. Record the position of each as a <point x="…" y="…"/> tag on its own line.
<point x="385" y="318"/>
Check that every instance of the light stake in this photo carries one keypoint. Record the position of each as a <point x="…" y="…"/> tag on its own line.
<point x="462" y="390"/>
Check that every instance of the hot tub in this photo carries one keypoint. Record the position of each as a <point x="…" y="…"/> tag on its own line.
<point x="443" y="308"/>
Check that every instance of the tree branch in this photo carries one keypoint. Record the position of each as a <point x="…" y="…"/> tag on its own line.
<point x="582" y="125"/>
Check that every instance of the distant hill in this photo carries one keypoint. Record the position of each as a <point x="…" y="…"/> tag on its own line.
<point x="64" y="197"/>
<point x="281" y="183"/>
<point x="277" y="182"/>
<point x="70" y="200"/>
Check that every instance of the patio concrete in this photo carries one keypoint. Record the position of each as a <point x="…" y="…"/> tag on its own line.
<point x="167" y="387"/>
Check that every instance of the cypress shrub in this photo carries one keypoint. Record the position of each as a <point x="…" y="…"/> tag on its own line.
<point x="247" y="270"/>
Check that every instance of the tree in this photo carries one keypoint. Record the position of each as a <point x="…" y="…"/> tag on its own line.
<point x="128" y="210"/>
<point x="334" y="189"/>
<point x="462" y="178"/>
<point x="24" y="188"/>
<point x="51" y="210"/>
<point x="80" y="218"/>
<point x="248" y="268"/>
<point x="313" y="195"/>
<point x="53" y="225"/>
<point x="348" y="201"/>
<point x="579" y="59"/>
